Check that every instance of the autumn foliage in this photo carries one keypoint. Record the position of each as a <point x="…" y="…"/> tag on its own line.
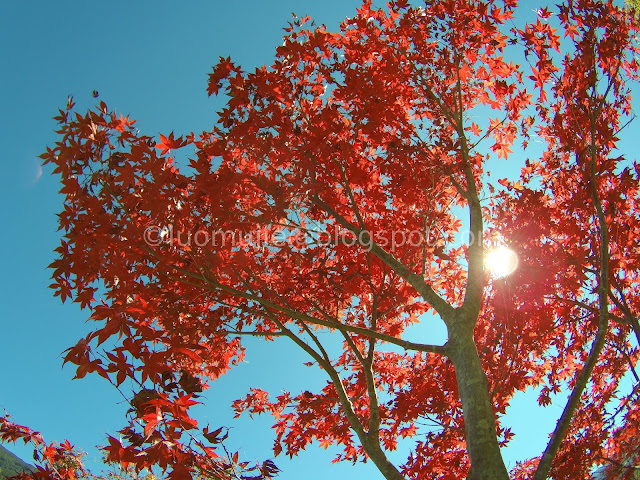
<point x="343" y="196"/>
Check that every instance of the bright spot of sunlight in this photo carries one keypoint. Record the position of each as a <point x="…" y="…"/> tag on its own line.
<point x="501" y="261"/>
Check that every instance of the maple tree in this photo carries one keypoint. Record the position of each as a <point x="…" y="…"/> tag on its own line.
<point x="326" y="207"/>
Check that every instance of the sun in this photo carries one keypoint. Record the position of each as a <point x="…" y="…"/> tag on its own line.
<point x="501" y="261"/>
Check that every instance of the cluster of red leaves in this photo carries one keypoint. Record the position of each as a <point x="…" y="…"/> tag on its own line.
<point x="589" y="196"/>
<point x="54" y="461"/>
<point x="297" y="212"/>
<point x="61" y="461"/>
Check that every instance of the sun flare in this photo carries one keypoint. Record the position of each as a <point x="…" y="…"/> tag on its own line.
<point x="501" y="261"/>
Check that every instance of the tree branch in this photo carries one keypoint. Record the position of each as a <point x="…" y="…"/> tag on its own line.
<point x="444" y="309"/>
<point x="214" y="285"/>
<point x="544" y="466"/>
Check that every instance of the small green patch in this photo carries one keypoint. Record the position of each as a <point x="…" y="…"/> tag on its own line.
<point x="10" y="464"/>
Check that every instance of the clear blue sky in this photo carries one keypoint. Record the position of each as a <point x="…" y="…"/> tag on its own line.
<point x="150" y="60"/>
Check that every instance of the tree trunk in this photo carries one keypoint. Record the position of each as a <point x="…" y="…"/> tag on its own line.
<point x="480" y="422"/>
<point x="380" y="460"/>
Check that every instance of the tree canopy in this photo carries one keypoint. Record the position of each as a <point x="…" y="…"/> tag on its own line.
<point x="344" y="195"/>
